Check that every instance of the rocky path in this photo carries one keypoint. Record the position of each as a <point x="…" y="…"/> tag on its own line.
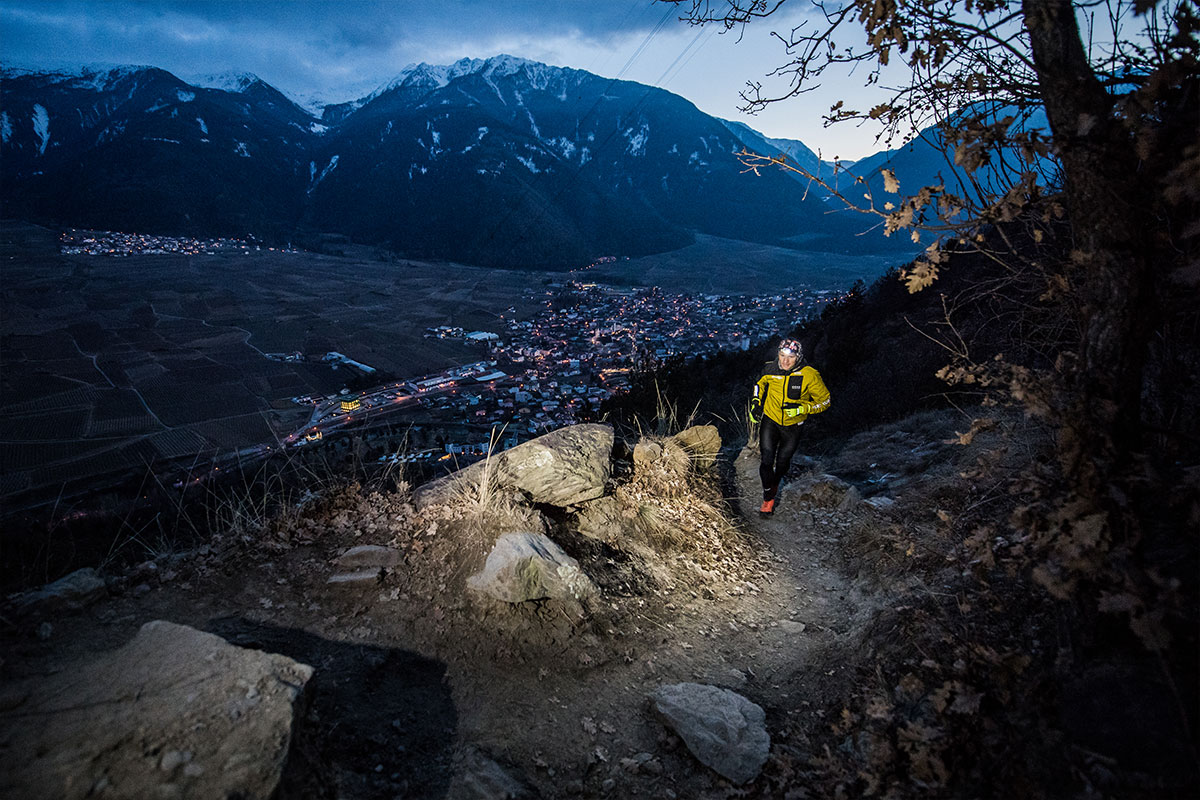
<point x="774" y="639"/>
<point x="394" y="712"/>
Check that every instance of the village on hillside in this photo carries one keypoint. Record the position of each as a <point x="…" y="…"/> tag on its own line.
<point x="557" y="368"/>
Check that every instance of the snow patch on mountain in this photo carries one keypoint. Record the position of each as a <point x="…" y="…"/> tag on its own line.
<point x="185" y="97"/>
<point x="564" y="146"/>
<point x="97" y="76"/>
<point x="533" y="126"/>
<point x="312" y="172"/>
<point x="41" y="127"/>
<point x="433" y="76"/>
<point x="235" y="82"/>
<point x="241" y="150"/>
<point x="480" y="133"/>
<point x="637" y="141"/>
<point x="203" y="127"/>
<point x="5" y="127"/>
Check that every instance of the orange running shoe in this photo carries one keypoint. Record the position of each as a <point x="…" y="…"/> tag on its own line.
<point x="768" y="507"/>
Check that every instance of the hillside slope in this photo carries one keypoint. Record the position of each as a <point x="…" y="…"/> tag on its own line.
<point x="498" y="162"/>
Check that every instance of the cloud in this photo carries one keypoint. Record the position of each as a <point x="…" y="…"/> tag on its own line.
<point x="342" y="50"/>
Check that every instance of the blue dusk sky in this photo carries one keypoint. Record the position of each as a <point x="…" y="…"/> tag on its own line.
<point x="336" y="51"/>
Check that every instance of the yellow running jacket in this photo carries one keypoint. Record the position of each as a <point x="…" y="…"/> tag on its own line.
<point x="788" y="398"/>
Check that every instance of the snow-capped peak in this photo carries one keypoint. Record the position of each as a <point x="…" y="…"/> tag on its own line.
<point x="433" y="76"/>
<point x="235" y="82"/>
<point x="95" y="75"/>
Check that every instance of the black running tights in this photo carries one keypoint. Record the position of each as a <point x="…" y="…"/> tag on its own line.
<point x="777" y="445"/>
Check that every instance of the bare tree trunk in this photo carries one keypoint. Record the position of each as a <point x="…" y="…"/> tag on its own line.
<point x="1112" y="239"/>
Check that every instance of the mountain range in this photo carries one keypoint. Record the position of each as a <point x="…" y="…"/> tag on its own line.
<point x="503" y="162"/>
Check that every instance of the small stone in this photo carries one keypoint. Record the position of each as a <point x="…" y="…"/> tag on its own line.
<point x="608" y="785"/>
<point x="791" y="626"/>
<point x="358" y="577"/>
<point x="141" y="590"/>
<point x="368" y="555"/>
<point x="45" y="631"/>
<point x="172" y="759"/>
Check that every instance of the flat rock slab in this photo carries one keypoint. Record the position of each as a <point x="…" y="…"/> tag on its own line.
<point x="176" y="713"/>
<point x="369" y="555"/>
<point x="70" y="593"/>
<point x="723" y="730"/>
<point x="568" y="466"/>
<point x="480" y="778"/>
<point x="530" y="566"/>
<point x="368" y="576"/>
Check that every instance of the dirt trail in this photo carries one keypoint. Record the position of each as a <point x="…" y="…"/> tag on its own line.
<point x="773" y="639"/>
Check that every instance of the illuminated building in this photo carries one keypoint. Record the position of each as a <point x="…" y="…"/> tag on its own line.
<point x="350" y="402"/>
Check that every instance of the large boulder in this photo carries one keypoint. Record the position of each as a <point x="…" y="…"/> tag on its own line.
<point x="174" y="713"/>
<point x="661" y="466"/>
<point x="701" y="442"/>
<point x="563" y="468"/>
<point x="530" y="566"/>
<point x="723" y="730"/>
<point x="662" y="457"/>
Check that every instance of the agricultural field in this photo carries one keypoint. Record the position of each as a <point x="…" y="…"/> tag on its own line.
<point x="130" y="367"/>
<point x="110" y="366"/>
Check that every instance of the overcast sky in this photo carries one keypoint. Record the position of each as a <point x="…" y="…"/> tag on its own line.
<point x="342" y="50"/>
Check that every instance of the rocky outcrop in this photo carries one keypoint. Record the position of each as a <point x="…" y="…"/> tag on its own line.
<point x="702" y="444"/>
<point x="70" y="593"/>
<point x="563" y="468"/>
<point x="723" y="730"/>
<point x="174" y="713"/>
<point x="529" y="566"/>
<point x="601" y="519"/>
<point x="660" y="467"/>
<point x="823" y="491"/>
